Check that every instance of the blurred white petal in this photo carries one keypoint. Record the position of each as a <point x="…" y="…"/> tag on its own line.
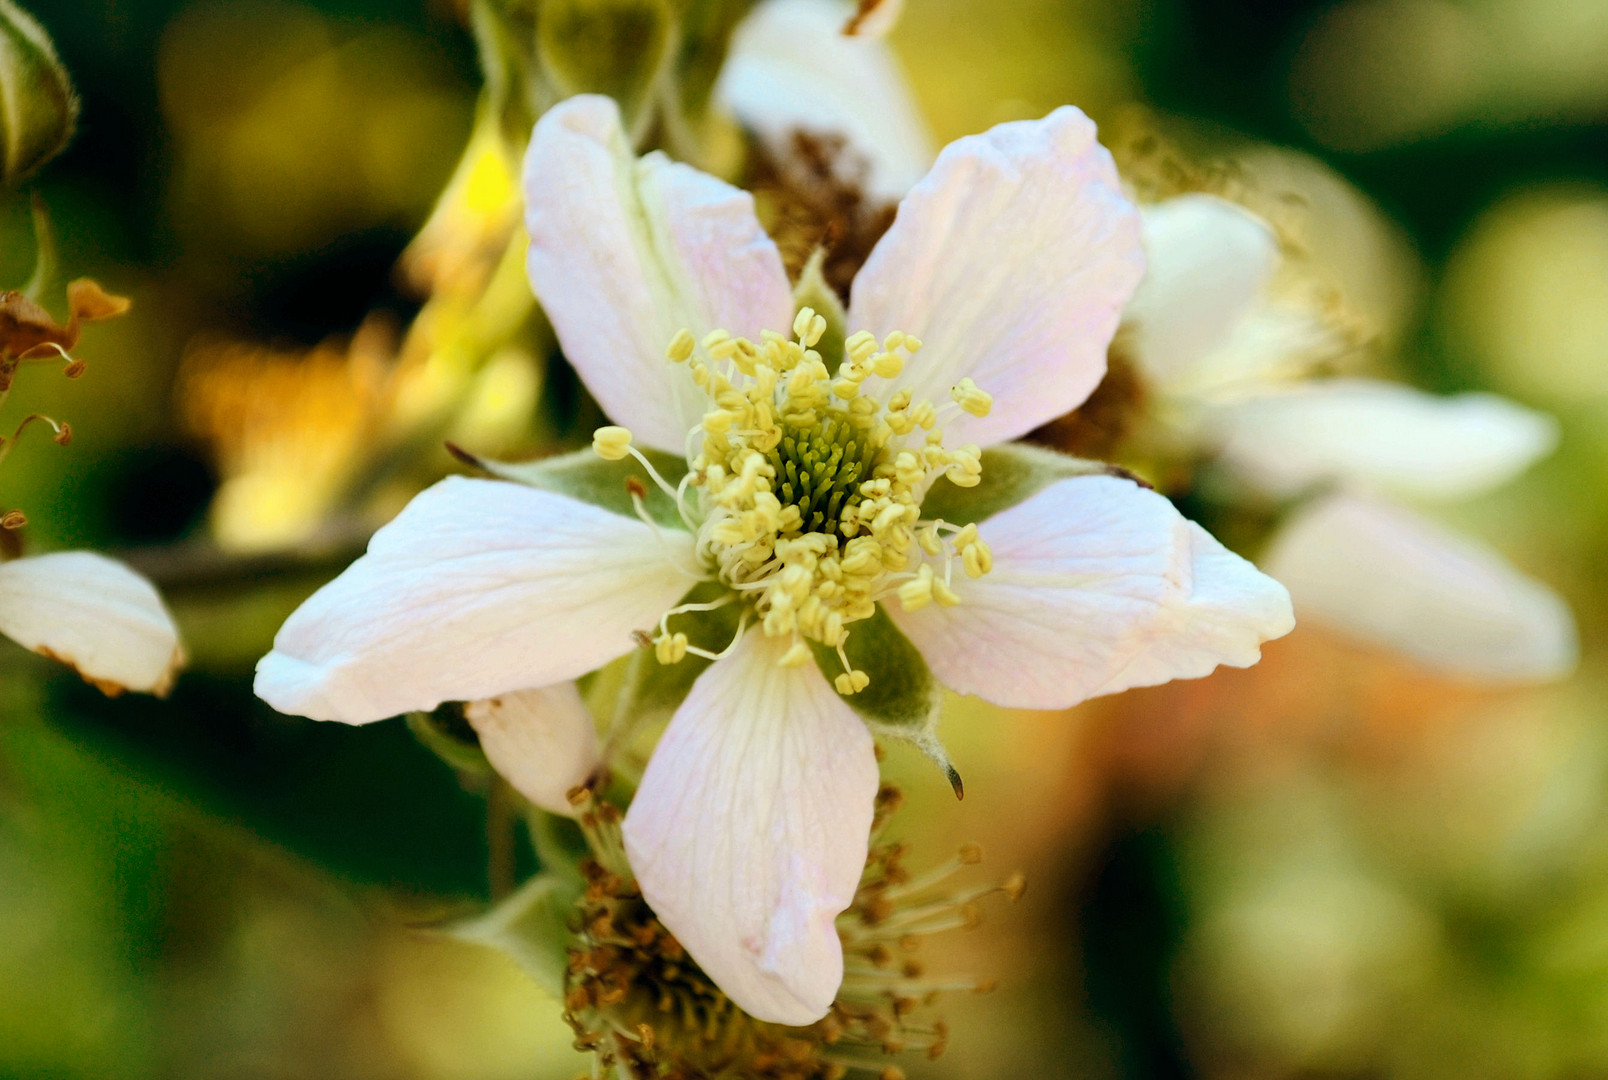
<point x="94" y="614"/>
<point x="478" y="588"/>
<point x="542" y="741"/>
<point x="1097" y="585"/>
<point x="750" y="830"/>
<point x="624" y="253"/>
<point x="1011" y="261"/>
<point x="1385" y="575"/>
<point x="791" y="69"/>
<point x="1383" y="437"/>
<point x="1209" y="262"/>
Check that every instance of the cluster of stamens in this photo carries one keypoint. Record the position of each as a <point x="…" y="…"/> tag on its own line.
<point x="644" y="1008"/>
<point x="810" y="483"/>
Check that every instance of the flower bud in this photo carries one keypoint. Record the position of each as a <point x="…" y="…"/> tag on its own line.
<point x="614" y="47"/>
<point x="37" y="105"/>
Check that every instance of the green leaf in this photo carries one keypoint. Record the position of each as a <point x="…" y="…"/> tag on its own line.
<point x="585" y="476"/>
<point x="1011" y="472"/>
<point x="531" y="927"/>
<point x="903" y="699"/>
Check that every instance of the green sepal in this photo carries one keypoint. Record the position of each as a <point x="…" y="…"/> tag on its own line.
<point x="812" y="291"/>
<point x="637" y="688"/>
<point x="615" y="47"/>
<point x="903" y="699"/>
<point x="531" y="927"/>
<point x="1012" y="472"/>
<point x="445" y="733"/>
<point x="583" y="475"/>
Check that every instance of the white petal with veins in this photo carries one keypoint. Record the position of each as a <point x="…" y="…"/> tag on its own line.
<point x="542" y="741"/>
<point x="1097" y="585"/>
<point x="1011" y="261"/>
<point x="624" y="253"/>
<point x="478" y="588"/>
<point x="1385" y="575"/>
<point x="750" y="830"/>
<point x="93" y="613"/>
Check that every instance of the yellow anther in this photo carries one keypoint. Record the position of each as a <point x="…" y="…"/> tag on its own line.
<point x="942" y="593"/>
<point x="611" y="443"/>
<point x="888" y="364"/>
<point x="670" y="648"/>
<point x="724" y="349"/>
<point x="966" y="537"/>
<point x="970" y="398"/>
<point x="851" y="682"/>
<point x="718" y="422"/>
<point x="681" y="346"/>
<point x="893" y="341"/>
<point x="715" y="337"/>
<point x="930" y="541"/>
<point x="797" y="656"/>
<point x="977" y="559"/>
<point x="912" y="344"/>
<point x="916" y="593"/>
<point x="923" y="415"/>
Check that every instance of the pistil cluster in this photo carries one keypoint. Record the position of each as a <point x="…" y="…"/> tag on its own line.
<point x="809" y="484"/>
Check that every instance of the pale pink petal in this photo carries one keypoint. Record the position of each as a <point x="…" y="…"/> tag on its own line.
<point x="1097" y="585"/>
<point x="791" y="69"/>
<point x="93" y="613"/>
<point x="749" y="832"/>
<point x="1381" y="436"/>
<point x="1208" y="264"/>
<point x="1385" y="575"/>
<point x="542" y="741"/>
<point x="1011" y="261"/>
<point x="624" y="253"/>
<point x="478" y="588"/>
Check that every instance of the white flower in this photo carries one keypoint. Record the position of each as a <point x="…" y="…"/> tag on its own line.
<point x="1006" y="269"/>
<point x="1231" y="367"/>
<point x="94" y="614"/>
<point x="791" y="68"/>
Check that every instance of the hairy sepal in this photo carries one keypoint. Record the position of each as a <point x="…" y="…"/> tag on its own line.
<point x="583" y="475"/>
<point x="1012" y="473"/>
<point x="530" y="927"/>
<point x="903" y="699"/>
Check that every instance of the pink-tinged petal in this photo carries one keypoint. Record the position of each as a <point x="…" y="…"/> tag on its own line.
<point x="1219" y="618"/>
<point x="792" y="69"/>
<point x="1011" y="261"/>
<point x="94" y="614"/>
<point x="1097" y="585"/>
<point x="1209" y="263"/>
<point x="1381" y="436"/>
<point x="478" y="588"/>
<point x="1385" y="575"/>
<point x="624" y="253"/>
<point x="750" y="830"/>
<point x="542" y="741"/>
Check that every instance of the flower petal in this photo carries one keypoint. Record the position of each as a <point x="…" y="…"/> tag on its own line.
<point x="478" y="588"/>
<point x="1208" y="264"/>
<point x="1011" y="261"/>
<point x="749" y="832"/>
<point x="1097" y="585"/>
<point x="624" y="253"/>
<point x="791" y="69"/>
<point x="1381" y="436"/>
<point x="1220" y="618"/>
<point x="95" y="614"/>
<point x="1386" y="575"/>
<point x="542" y="741"/>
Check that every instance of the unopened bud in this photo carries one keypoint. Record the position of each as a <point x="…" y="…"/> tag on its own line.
<point x="38" y="108"/>
<point x="613" y="47"/>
